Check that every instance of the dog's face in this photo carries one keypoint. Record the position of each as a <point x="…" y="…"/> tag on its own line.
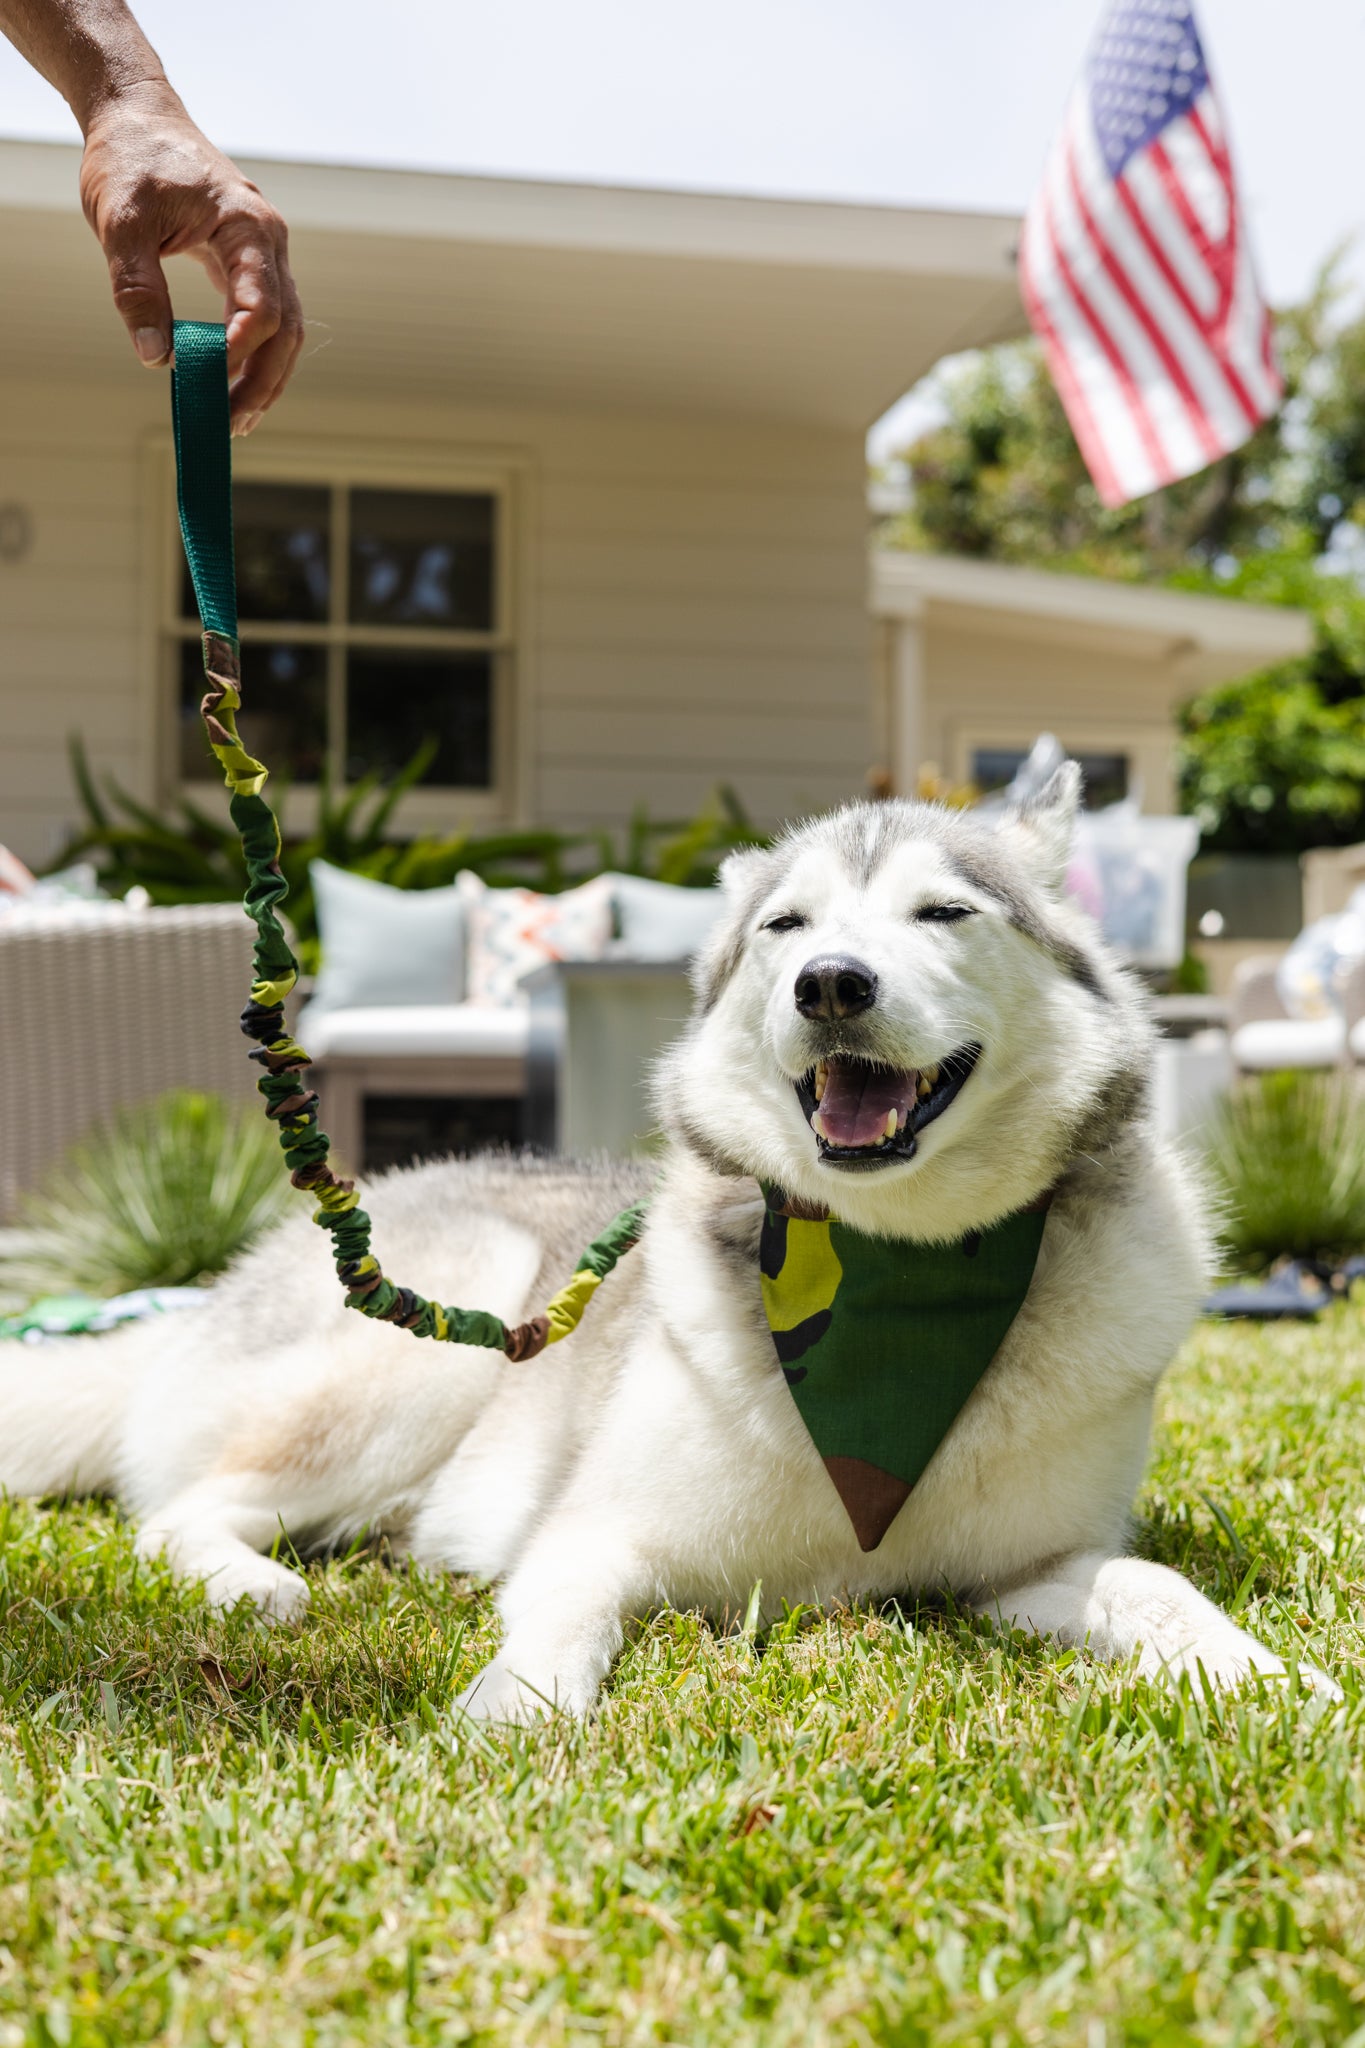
<point x="902" y="1019"/>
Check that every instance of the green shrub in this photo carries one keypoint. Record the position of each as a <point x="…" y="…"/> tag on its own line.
<point x="164" y="1194"/>
<point x="1288" y="1154"/>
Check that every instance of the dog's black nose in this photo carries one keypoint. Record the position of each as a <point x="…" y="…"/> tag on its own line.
<point x="835" y="987"/>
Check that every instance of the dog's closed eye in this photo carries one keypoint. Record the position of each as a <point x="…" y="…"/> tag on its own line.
<point x="787" y="921"/>
<point x="943" y="913"/>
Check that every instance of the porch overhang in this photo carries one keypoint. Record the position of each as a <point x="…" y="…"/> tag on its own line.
<point x="506" y="291"/>
<point x="1208" y="639"/>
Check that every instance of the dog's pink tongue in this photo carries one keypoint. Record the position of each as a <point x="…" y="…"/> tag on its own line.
<point x="858" y="1100"/>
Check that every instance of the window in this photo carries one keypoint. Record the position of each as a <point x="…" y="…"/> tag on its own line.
<point x="1106" y="775"/>
<point x="371" y="622"/>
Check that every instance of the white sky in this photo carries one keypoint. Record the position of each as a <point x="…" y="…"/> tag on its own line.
<point x="900" y="100"/>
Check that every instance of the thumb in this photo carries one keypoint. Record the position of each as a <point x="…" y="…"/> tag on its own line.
<point x="142" y="300"/>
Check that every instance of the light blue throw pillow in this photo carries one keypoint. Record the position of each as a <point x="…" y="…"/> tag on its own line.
<point x="383" y="946"/>
<point x="658" y="921"/>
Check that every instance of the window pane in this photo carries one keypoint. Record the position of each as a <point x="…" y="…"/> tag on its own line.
<point x="281" y="536"/>
<point x="395" y="700"/>
<point x="1106" y="775"/>
<point x="422" y="558"/>
<point x="283" y="720"/>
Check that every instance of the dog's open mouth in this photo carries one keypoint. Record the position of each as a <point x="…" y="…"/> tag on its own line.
<point x="866" y="1116"/>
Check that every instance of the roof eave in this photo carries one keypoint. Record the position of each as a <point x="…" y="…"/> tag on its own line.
<point x="1000" y="596"/>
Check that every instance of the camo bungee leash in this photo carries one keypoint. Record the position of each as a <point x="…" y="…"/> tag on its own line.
<point x="203" y="462"/>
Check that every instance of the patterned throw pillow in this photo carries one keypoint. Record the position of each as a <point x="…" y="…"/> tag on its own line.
<point x="513" y="930"/>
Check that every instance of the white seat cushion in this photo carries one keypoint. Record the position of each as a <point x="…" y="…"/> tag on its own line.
<point x="416" y="1031"/>
<point x="1273" y="1043"/>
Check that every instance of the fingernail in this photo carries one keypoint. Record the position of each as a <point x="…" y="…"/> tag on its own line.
<point x="151" y="345"/>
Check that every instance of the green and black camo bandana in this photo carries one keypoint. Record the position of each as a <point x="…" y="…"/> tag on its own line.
<point x="882" y="1342"/>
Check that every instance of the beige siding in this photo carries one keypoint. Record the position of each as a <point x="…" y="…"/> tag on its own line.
<point x="692" y="602"/>
<point x="70" y="609"/>
<point x="989" y="689"/>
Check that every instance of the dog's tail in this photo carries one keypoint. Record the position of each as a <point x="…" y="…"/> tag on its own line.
<point x="62" y="1406"/>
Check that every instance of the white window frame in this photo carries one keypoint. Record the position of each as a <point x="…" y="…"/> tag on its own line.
<point x="1149" y="748"/>
<point x="340" y="466"/>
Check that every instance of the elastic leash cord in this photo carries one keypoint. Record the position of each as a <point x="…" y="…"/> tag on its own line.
<point x="203" y="461"/>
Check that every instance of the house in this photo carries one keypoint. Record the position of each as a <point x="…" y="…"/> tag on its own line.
<point x="573" y="477"/>
<point x="975" y="659"/>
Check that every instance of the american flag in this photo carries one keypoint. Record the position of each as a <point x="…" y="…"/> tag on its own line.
<point x="1135" y="266"/>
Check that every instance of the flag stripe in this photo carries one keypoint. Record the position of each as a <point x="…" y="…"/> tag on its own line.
<point x="1113" y="455"/>
<point x="1199" y="443"/>
<point x="1066" y="243"/>
<point x="1145" y="256"/>
<point x="1250" y="344"/>
<point x="1200" y="175"/>
<point x="1217" y="371"/>
<point x="1249" y="338"/>
<point x="1155" y="211"/>
<point x="1161" y="425"/>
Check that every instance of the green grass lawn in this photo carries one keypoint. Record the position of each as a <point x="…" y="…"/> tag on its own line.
<point x="857" y="1830"/>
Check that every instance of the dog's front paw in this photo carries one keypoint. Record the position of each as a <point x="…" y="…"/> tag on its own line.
<point x="500" y="1694"/>
<point x="277" y="1593"/>
<point x="1230" y="1662"/>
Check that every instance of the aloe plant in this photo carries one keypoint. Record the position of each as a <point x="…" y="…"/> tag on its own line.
<point x="164" y="1194"/>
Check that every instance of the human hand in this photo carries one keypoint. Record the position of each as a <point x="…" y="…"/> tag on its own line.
<point x="152" y="186"/>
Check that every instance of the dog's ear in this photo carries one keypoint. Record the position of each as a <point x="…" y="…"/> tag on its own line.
<point x="739" y="870"/>
<point x="1042" y="830"/>
<point x="740" y="876"/>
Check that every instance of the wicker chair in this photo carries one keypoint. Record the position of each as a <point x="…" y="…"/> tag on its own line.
<point x="98" y="1012"/>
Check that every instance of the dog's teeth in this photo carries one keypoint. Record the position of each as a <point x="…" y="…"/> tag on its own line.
<point x="821" y="1080"/>
<point x="892" y="1123"/>
<point x="930" y="1075"/>
<point x="817" y="1126"/>
<point x="923" y="1087"/>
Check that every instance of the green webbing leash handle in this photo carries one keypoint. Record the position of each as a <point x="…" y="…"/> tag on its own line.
<point x="203" y="470"/>
<point x="203" y="461"/>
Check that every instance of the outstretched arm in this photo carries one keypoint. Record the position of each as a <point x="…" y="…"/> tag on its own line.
<point x="152" y="185"/>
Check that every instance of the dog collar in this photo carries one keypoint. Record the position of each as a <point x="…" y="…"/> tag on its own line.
<point x="882" y="1342"/>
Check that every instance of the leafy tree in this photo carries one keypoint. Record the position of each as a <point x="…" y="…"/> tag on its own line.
<point x="1268" y="766"/>
<point x="1003" y="479"/>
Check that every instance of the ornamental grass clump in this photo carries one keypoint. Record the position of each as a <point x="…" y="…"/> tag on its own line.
<point x="163" y="1195"/>
<point x="1288" y="1154"/>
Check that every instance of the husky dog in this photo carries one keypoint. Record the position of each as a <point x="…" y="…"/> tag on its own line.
<point x="903" y="1024"/>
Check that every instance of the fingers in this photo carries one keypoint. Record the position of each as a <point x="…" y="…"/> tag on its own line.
<point x="140" y="294"/>
<point x="152" y="185"/>
<point x="264" y="318"/>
